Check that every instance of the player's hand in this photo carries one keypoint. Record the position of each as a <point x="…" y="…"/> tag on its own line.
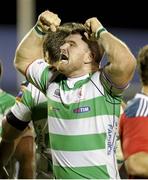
<point x="92" y="25"/>
<point x="48" y="20"/>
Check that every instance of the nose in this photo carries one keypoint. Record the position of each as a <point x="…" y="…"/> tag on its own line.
<point x="64" y="47"/>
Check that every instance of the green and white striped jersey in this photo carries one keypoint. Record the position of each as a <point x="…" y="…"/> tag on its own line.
<point x="6" y="101"/>
<point x="31" y="105"/>
<point x="83" y="118"/>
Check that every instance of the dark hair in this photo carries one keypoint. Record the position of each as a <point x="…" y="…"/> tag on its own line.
<point x="52" y="44"/>
<point x="143" y="64"/>
<point x="54" y="40"/>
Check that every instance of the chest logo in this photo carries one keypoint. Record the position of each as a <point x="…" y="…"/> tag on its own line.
<point x="57" y="93"/>
<point x="82" y="109"/>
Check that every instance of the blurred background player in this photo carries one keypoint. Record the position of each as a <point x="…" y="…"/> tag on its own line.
<point x="24" y="156"/>
<point x="134" y="125"/>
<point x="31" y="105"/>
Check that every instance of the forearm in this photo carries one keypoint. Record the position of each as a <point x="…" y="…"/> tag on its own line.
<point x="122" y="63"/>
<point x="6" y="151"/>
<point x="10" y="137"/>
<point x="119" y="57"/>
<point x="29" y="49"/>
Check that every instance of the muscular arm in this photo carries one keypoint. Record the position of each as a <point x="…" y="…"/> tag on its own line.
<point x="121" y="62"/>
<point x="30" y="48"/>
<point x="137" y="164"/>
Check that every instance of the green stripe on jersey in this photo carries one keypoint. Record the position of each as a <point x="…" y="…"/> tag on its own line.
<point x="39" y="111"/>
<point x="84" y="109"/>
<point x="6" y="102"/>
<point x="94" y="172"/>
<point x="42" y="85"/>
<point x="27" y="97"/>
<point x="78" y="142"/>
<point x="43" y="80"/>
<point x="64" y="86"/>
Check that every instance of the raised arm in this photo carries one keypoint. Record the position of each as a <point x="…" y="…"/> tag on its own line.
<point x="121" y="62"/>
<point x="30" y="48"/>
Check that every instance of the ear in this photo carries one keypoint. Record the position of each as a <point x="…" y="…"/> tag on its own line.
<point x="89" y="58"/>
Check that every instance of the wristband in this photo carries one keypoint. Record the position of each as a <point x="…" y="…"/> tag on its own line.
<point x="39" y="31"/>
<point x="99" y="31"/>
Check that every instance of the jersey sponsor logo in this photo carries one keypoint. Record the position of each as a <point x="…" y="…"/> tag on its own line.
<point x="82" y="109"/>
<point x="57" y="93"/>
<point x="111" y="133"/>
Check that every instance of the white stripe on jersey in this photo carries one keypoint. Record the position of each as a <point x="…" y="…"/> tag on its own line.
<point x="21" y="111"/>
<point x="87" y="92"/>
<point x="81" y="127"/>
<point x="139" y="108"/>
<point x="143" y="105"/>
<point x="79" y="158"/>
<point x="143" y="108"/>
<point x="146" y="111"/>
<point x="37" y="95"/>
<point x="40" y="65"/>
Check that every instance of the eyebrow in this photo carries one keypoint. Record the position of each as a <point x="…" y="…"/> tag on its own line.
<point x="70" y="41"/>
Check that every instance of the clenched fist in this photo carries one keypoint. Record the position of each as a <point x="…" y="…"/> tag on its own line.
<point x="92" y="25"/>
<point x="48" y="21"/>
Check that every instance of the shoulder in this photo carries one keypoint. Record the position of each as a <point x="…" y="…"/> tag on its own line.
<point x="31" y="92"/>
<point x="137" y="107"/>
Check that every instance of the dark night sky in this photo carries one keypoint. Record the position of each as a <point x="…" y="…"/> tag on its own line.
<point x="110" y="13"/>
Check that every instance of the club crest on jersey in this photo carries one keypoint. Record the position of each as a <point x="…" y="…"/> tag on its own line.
<point x="82" y="109"/>
<point x="57" y="93"/>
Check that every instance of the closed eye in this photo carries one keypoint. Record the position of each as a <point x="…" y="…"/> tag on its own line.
<point x="71" y="43"/>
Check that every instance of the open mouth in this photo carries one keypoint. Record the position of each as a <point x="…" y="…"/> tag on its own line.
<point x="63" y="58"/>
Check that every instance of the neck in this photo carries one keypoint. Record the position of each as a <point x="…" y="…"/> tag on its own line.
<point x="83" y="72"/>
<point x="145" y="90"/>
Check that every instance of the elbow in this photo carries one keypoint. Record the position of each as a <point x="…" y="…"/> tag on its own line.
<point x="131" y="67"/>
<point x="127" y="61"/>
<point x="15" y="63"/>
<point x="18" y="62"/>
<point x="132" y="63"/>
<point x="17" y="66"/>
<point x="127" y="67"/>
